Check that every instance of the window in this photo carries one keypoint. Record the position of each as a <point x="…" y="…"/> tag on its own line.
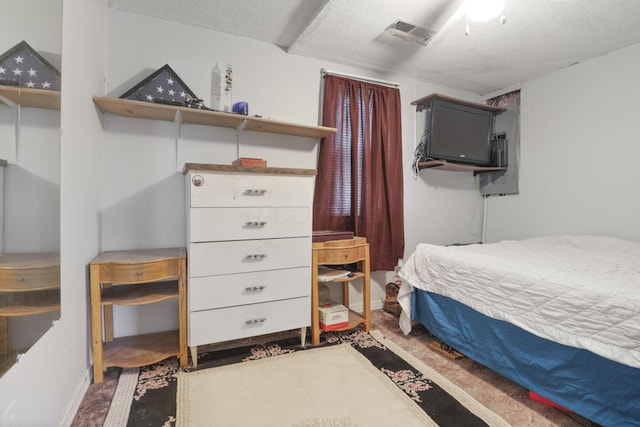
<point x="359" y="185"/>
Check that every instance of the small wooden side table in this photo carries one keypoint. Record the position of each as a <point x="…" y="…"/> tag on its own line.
<point x="29" y="286"/>
<point x="340" y="252"/>
<point x="138" y="277"/>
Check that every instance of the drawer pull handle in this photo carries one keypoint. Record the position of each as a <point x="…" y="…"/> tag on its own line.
<point x="255" y="257"/>
<point x="255" y="322"/>
<point x="254" y="288"/>
<point x="255" y="224"/>
<point x="254" y="192"/>
<point x="139" y="273"/>
<point x="197" y="180"/>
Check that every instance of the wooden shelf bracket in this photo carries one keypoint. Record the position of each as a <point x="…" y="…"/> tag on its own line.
<point x="239" y="130"/>
<point x="177" y="122"/>
<point x="15" y="108"/>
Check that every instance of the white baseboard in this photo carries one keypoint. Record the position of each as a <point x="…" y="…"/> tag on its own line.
<point x="375" y="305"/>
<point x="81" y="391"/>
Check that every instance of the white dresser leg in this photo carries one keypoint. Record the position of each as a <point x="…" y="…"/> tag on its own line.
<point x="194" y="355"/>
<point x="303" y="336"/>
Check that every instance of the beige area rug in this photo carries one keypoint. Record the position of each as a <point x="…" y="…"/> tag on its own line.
<point x="328" y="386"/>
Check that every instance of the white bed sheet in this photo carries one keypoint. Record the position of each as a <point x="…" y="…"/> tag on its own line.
<point x="581" y="291"/>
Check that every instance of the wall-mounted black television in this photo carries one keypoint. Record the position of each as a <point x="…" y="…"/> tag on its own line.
<point x="459" y="133"/>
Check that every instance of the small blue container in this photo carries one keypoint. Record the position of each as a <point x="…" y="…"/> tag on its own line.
<point x="241" y="108"/>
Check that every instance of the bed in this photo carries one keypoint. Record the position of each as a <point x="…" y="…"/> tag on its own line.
<point x="559" y="315"/>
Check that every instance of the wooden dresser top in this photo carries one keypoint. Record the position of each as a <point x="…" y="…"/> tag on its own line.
<point x="207" y="167"/>
<point x="139" y="256"/>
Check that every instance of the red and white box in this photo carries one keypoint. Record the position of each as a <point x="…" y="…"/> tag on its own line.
<point x="333" y="316"/>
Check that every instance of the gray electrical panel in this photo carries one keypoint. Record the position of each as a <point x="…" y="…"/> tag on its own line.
<point x="507" y="131"/>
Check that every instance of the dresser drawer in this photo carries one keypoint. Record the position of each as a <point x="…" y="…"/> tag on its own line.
<point x="28" y="271"/>
<point x="26" y="279"/>
<point x="215" y="224"/>
<point x="223" y="324"/>
<point x="214" y="258"/>
<point x="248" y="288"/>
<point x="339" y="255"/>
<point x="247" y="190"/>
<point x="138" y="272"/>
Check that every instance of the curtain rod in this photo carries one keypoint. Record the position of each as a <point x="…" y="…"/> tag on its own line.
<point x="324" y="71"/>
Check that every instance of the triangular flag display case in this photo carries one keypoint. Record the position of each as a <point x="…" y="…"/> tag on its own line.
<point x="162" y="86"/>
<point x="22" y="66"/>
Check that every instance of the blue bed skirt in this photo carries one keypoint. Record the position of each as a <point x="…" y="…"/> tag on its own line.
<point x="598" y="389"/>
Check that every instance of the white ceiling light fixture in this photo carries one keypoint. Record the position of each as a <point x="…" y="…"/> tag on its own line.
<point x="484" y="10"/>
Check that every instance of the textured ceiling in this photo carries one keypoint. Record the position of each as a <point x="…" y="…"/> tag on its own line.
<point x="538" y="37"/>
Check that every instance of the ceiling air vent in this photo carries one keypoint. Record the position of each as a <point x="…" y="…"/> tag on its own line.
<point x="410" y="32"/>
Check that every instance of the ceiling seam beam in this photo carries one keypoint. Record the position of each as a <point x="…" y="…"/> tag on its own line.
<point x="322" y="10"/>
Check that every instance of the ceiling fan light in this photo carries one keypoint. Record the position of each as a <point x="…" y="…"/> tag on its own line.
<point x="483" y="10"/>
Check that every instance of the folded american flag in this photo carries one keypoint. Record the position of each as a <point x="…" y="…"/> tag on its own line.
<point x="163" y="85"/>
<point x="22" y="66"/>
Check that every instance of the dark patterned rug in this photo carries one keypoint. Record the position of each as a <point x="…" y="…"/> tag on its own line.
<point x="154" y="398"/>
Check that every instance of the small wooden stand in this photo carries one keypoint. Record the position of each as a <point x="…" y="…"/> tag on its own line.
<point x="340" y="252"/>
<point x="142" y="277"/>
<point x="29" y="286"/>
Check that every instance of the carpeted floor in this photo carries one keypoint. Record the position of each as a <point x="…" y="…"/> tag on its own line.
<point x="498" y="394"/>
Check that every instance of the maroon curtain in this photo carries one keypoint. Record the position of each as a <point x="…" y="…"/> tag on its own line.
<point x="359" y="184"/>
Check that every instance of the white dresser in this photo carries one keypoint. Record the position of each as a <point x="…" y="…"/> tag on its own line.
<point x="249" y="251"/>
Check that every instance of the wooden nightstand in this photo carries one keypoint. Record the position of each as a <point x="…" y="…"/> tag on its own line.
<point x="140" y="277"/>
<point x="29" y="286"/>
<point x="340" y="252"/>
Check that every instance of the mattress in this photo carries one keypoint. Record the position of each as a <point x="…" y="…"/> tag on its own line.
<point x="597" y="388"/>
<point x="580" y="291"/>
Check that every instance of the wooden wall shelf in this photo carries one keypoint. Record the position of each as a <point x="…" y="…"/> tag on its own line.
<point x="424" y="100"/>
<point x="39" y="98"/>
<point x="148" y="110"/>
<point x="457" y="167"/>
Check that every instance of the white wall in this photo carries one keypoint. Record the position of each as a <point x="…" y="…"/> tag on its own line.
<point x="31" y="213"/>
<point x="50" y="381"/>
<point x="579" y="154"/>
<point x="31" y="217"/>
<point x="442" y="207"/>
<point x="32" y="186"/>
